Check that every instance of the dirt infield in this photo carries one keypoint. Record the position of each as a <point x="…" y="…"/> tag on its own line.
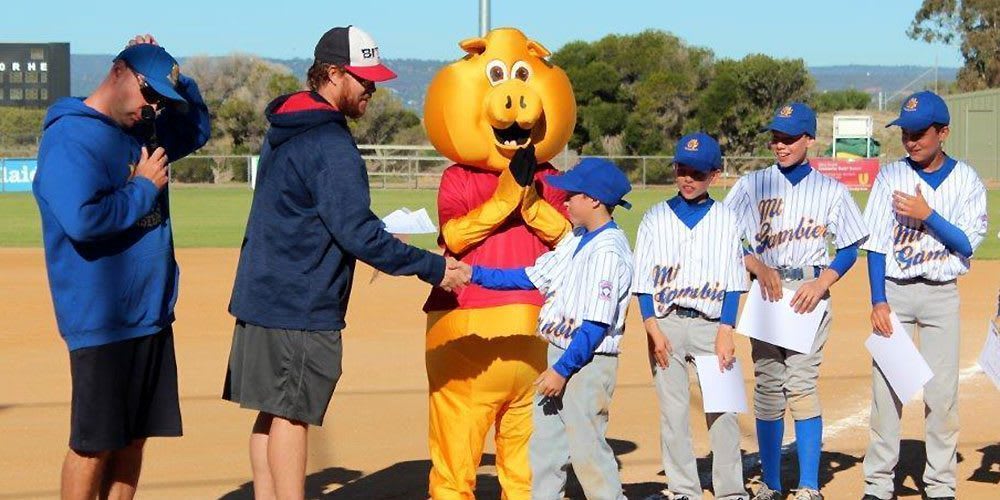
<point x="374" y="442"/>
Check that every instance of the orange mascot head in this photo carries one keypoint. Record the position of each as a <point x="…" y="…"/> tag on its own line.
<point x="501" y="96"/>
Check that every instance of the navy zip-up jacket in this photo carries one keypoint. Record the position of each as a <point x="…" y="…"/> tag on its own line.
<point x="310" y="221"/>
<point x="109" y="248"/>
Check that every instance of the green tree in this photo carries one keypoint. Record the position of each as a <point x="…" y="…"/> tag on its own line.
<point x="836" y="100"/>
<point x="387" y="121"/>
<point x="743" y="96"/>
<point x="20" y="129"/>
<point x="974" y="23"/>
<point x="236" y="89"/>
<point x="633" y="92"/>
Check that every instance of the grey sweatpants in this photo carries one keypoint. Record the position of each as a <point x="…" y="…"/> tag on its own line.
<point x="934" y="307"/>
<point x="785" y="378"/>
<point x="570" y="429"/>
<point x="691" y="337"/>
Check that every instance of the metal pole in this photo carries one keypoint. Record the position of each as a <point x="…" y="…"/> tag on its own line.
<point x="935" y="72"/>
<point x="643" y="171"/>
<point x="484" y="17"/>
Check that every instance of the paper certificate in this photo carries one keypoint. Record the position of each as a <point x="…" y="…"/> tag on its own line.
<point x="777" y="323"/>
<point x="721" y="391"/>
<point x="900" y="361"/>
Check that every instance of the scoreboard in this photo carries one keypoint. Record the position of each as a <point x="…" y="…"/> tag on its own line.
<point x="33" y="75"/>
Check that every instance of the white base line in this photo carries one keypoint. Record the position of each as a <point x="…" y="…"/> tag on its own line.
<point x="860" y="416"/>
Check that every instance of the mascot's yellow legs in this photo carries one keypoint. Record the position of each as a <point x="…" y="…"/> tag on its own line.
<point x="480" y="375"/>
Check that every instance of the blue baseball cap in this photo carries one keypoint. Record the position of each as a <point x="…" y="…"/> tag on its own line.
<point x="794" y="119"/>
<point x="597" y="178"/>
<point x="157" y="67"/>
<point x="698" y="151"/>
<point x="921" y="110"/>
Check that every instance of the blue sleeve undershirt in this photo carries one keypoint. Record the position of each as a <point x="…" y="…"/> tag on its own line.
<point x="646" y="306"/>
<point x="730" y="305"/>
<point x="876" y="276"/>
<point x="581" y="348"/>
<point x="501" y="279"/>
<point x="952" y="237"/>
<point x="844" y="259"/>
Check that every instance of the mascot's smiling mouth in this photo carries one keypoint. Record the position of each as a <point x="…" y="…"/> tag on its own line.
<point x="512" y="136"/>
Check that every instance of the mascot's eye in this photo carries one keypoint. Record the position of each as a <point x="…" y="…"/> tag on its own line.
<point x="496" y="71"/>
<point x="521" y="71"/>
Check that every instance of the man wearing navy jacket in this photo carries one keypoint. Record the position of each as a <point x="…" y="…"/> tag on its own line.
<point x="101" y="191"/>
<point x="310" y="221"/>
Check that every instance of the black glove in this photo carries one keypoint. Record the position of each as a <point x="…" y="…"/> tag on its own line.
<point x="523" y="165"/>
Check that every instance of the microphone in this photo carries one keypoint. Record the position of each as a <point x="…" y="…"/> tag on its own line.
<point x="149" y="118"/>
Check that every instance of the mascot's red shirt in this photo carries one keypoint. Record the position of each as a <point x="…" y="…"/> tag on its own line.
<point x="512" y="244"/>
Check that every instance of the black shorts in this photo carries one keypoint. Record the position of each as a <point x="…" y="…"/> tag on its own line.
<point x="124" y="391"/>
<point x="286" y="373"/>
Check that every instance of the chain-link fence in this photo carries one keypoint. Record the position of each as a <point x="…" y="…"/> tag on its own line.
<point x="420" y="167"/>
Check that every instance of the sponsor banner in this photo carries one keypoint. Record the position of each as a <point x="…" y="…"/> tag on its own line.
<point x="16" y="174"/>
<point x="854" y="173"/>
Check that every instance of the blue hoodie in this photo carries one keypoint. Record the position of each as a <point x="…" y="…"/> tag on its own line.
<point x="108" y="241"/>
<point x="310" y="220"/>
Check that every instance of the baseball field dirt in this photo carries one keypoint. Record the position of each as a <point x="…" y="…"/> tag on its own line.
<point x="374" y="442"/>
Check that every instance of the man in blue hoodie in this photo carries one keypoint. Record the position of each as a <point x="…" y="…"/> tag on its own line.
<point x="310" y="221"/>
<point x="110" y="258"/>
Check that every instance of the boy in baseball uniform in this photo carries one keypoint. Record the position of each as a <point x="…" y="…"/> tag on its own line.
<point x="585" y="281"/>
<point x="790" y="214"/>
<point x="927" y="214"/>
<point x="689" y="273"/>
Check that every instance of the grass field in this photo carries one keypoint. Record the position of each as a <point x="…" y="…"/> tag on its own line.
<point x="215" y="217"/>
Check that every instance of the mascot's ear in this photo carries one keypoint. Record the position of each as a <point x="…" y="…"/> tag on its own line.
<point x="538" y="50"/>
<point x="473" y="45"/>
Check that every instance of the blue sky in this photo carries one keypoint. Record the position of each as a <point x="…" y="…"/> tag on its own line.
<point x="822" y="33"/>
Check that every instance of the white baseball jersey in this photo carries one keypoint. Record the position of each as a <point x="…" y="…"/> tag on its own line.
<point x="689" y="267"/>
<point x="913" y="250"/>
<point x="592" y="285"/>
<point x="789" y="226"/>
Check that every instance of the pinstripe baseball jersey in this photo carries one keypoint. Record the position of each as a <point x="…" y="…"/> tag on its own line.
<point x="592" y="285"/>
<point x="790" y="225"/>
<point x="689" y="267"/>
<point x="912" y="249"/>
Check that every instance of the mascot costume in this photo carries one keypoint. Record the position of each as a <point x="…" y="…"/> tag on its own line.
<point x="500" y="113"/>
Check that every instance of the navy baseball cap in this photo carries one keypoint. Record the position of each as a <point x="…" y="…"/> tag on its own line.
<point x="597" y="178"/>
<point x="794" y="119"/>
<point x="698" y="151"/>
<point x="157" y="67"/>
<point x="921" y="110"/>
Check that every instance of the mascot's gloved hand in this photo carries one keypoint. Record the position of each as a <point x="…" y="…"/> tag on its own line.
<point x="523" y="165"/>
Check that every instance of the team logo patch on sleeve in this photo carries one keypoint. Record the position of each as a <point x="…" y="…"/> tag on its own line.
<point x="604" y="290"/>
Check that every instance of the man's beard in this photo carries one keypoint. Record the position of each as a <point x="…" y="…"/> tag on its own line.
<point x="352" y="110"/>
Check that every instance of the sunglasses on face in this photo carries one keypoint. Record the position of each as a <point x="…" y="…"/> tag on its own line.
<point x="367" y="84"/>
<point x="148" y="94"/>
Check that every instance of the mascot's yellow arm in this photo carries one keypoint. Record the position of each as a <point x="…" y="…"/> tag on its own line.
<point x="463" y="232"/>
<point x="543" y="219"/>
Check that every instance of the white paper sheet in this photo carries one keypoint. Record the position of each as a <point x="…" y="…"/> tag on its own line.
<point x="721" y="391"/>
<point x="900" y="361"/>
<point x="989" y="360"/>
<point x="777" y="323"/>
<point x="403" y="221"/>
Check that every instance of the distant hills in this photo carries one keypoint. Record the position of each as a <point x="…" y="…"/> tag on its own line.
<point x="87" y="70"/>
